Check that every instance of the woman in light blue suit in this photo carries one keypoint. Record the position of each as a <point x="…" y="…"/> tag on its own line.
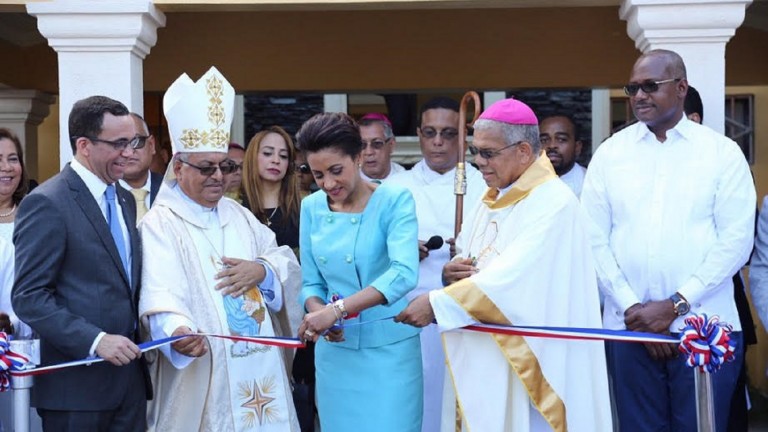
<point x="359" y="257"/>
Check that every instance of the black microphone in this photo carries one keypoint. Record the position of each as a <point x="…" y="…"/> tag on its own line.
<point x="434" y="242"/>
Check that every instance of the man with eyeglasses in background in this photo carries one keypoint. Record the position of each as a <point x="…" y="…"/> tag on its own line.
<point x="527" y="223"/>
<point x="142" y="183"/>
<point x="431" y="183"/>
<point x="236" y="154"/>
<point x="211" y="266"/>
<point x="674" y="207"/>
<point x="378" y="145"/>
<point x="78" y="272"/>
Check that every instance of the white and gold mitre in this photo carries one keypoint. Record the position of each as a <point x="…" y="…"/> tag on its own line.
<point x="199" y="114"/>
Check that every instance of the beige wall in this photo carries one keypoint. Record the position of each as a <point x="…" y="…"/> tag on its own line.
<point x="757" y="357"/>
<point x="454" y="49"/>
<point x="760" y="167"/>
<point x="48" y="145"/>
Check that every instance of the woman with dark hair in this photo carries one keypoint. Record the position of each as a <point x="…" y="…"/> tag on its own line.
<point x="13" y="180"/>
<point x="270" y="183"/>
<point x="13" y="187"/>
<point x="359" y="256"/>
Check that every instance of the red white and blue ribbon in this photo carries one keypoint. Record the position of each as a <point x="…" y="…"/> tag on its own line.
<point x="575" y="333"/>
<point x="283" y="342"/>
<point x="9" y="362"/>
<point x="152" y="345"/>
<point x="706" y="343"/>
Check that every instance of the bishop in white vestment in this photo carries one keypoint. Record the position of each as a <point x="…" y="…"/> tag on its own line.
<point x="523" y="258"/>
<point x="211" y="267"/>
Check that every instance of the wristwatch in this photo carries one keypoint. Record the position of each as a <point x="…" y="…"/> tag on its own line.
<point x="339" y="306"/>
<point x="680" y="304"/>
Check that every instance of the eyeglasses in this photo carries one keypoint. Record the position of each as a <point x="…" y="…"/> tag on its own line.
<point x="446" y="134"/>
<point x="226" y="167"/>
<point x="377" y="144"/>
<point x="303" y="168"/>
<point x="647" y="86"/>
<point x="135" y="143"/>
<point x="489" y="154"/>
<point x="237" y="166"/>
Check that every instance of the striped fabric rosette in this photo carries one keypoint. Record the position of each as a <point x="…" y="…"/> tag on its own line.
<point x="706" y="343"/>
<point x="9" y="361"/>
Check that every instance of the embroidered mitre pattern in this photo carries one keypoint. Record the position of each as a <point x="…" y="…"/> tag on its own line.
<point x="214" y="137"/>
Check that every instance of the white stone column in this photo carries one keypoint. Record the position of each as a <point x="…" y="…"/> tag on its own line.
<point x="601" y="116"/>
<point x="491" y="97"/>
<point x="334" y="102"/>
<point x="22" y="111"/>
<point x="101" y="47"/>
<point x="697" y="30"/>
<point x="237" y="130"/>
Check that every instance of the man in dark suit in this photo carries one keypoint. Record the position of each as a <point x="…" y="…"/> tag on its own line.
<point x="78" y="268"/>
<point x="142" y="183"/>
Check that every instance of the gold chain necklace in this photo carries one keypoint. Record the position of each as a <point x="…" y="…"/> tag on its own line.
<point x="269" y="218"/>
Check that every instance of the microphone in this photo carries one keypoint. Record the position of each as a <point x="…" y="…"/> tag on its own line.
<point x="434" y="242"/>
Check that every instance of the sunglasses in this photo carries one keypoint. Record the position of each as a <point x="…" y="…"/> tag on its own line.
<point x="377" y="144"/>
<point x="303" y="169"/>
<point x="489" y="154"/>
<point x="226" y="167"/>
<point x="446" y="134"/>
<point x="137" y="142"/>
<point x="647" y="86"/>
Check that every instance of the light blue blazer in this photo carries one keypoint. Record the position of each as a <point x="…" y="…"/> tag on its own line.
<point x="342" y="253"/>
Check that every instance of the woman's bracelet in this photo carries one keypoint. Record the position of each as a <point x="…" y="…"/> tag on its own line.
<point x="335" y="311"/>
<point x="339" y="304"/>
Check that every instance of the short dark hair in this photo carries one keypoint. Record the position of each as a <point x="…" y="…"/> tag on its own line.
<point x="138" y="117"/>
<point x="576" y="127"/>
<point x="693" y="103"/>
<point x="87" y="117"/>
<point x="438" y="103"/>
<point x="23" y="187"/>
<point x="330" y="130"/>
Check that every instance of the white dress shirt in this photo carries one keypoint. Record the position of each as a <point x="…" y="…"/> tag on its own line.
<point x="672" y="216"/>
<point x="574" y="178"/>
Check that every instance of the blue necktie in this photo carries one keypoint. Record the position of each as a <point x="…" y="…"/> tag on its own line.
<point x="114" y="227"/>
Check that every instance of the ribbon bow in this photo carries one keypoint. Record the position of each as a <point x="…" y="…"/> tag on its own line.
<point x="706" y="343"/>
<point x="9" y="361"/>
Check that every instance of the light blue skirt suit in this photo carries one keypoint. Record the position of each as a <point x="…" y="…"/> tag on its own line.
<point x="372" y="380"/>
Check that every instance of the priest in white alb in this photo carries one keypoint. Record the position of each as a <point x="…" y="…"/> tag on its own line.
<point x="523" y="258"/>
<point x="211" y="267"/>
<point x="431" y="181"/>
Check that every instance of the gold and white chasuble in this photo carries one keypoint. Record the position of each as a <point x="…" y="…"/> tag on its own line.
<point x="236" y="386"/>
<point x="535" y="269"/>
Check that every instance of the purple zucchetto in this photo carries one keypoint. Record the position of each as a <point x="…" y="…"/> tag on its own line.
<point x="510" y="111"/>
<point x="376" y="117"/>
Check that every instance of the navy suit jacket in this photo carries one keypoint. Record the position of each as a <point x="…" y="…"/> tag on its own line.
<point x="70" y="285"/>
<point x="154" y="186"/>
